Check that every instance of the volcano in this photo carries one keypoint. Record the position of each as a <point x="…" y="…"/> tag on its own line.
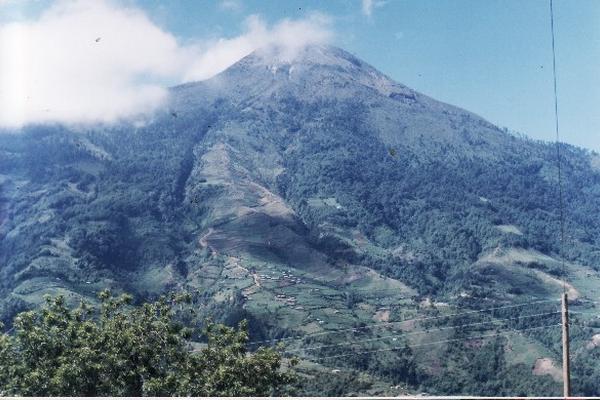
<point x="306" y="192"/>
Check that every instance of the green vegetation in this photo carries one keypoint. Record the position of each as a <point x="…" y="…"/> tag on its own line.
<point x="122" y="350"/>
<point x="313" y="205"/>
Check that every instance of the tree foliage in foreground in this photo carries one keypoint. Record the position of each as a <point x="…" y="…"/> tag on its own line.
<point x="121" y="350"/>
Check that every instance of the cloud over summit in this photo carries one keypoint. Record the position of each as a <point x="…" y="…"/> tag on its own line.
<point x="85" y="62"/>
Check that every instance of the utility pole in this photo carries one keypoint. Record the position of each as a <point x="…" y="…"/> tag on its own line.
<point x="565" y="347"/>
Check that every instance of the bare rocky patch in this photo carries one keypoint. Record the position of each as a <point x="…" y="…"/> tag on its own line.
<point x="545" y="366"/>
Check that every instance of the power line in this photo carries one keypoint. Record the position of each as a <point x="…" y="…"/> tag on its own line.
<point x="308" y="308"/>
<point x="585" y="312"/>
<point x="395" y="322"/>
<point x="421" y="331"/>
<point x="351" y="290"/>
<point x="588" y="301"/>
<point x="9" y="331"/>
<point x="558" y="159"/>
<point x="565" y="303"/>
<point x="432" y="343"/>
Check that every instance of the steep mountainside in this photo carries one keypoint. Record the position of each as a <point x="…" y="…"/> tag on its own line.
<point x="308" y="195"/>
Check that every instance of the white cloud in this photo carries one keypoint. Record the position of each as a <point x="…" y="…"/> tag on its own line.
<point x="369" y="5"/>
<point x="231" y="5"/>
<point x="101" y="62"/>
<point x="288" y="35"/>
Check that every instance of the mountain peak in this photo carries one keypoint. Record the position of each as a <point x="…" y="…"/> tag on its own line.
<point x="307" y="73"/>
<point x="306" y="67"/>
<point x="314" y="54"/>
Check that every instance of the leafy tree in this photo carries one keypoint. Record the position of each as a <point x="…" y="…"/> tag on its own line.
<point x="117" y="349"/>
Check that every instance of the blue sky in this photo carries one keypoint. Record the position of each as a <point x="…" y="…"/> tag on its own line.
<point x="491" y="57"/>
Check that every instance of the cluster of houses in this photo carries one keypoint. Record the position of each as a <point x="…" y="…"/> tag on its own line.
<point x="289" y="300"/>
<point x="286" y="277"/>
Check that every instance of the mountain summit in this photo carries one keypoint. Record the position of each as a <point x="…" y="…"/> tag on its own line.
<point x="305" y="192"/>
<point x="326" y="64"/>
<point x="318" y="73"/>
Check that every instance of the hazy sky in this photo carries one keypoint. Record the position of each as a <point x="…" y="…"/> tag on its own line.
<point x="491" y="57"/>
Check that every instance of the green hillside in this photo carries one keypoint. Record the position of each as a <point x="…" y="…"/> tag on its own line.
<point x="325" y="204"/>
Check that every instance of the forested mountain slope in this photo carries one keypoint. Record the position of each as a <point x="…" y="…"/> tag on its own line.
<point x="308" y="194"/>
